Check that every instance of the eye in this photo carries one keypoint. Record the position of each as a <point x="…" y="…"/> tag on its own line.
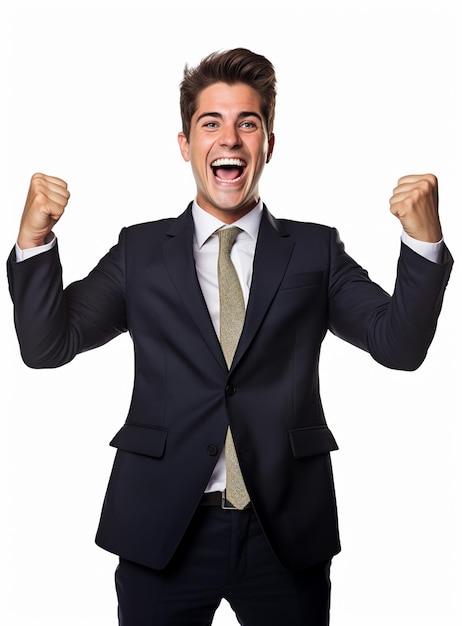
<point x="210" y="125"/>
<point x="248" y="125"/>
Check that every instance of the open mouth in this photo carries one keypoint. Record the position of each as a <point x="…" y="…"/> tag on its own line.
<point x="228" y="170"/>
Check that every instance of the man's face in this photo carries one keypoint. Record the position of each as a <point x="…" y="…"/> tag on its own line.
<point x="228" y="147"/>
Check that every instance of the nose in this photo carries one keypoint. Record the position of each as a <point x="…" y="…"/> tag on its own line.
<point x="230" y="136"/>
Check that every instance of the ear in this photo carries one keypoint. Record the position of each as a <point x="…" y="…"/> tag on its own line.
<point x="269" y="154"/>
<point x="184" y="146"/>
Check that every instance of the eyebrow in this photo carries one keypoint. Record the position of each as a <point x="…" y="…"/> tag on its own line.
<point x="241" y="115"/>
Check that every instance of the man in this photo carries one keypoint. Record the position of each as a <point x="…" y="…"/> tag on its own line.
<point x="227" y="326"/>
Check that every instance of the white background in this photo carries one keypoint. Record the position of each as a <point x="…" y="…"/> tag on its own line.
<point x="368" y="91"/>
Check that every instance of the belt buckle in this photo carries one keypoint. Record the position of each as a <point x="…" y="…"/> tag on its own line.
<point x="226" y="504"/>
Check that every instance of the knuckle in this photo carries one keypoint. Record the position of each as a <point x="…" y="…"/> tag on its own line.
<point x="37" y="179"/>
<point x="427" y="185"/>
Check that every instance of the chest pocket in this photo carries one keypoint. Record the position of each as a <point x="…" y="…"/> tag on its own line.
<point x="302" y="279"/>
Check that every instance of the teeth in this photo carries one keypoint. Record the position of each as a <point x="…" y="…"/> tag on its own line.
<point x="232" y="162"/>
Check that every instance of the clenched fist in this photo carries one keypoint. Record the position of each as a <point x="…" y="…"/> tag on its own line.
<point x="44" y="206"/>
<point x="415" y="204"/>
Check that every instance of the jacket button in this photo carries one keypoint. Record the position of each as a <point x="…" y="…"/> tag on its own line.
<point x="212" y="450"/>
<point x="230" y="390"/>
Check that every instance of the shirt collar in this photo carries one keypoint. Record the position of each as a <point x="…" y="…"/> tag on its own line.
<point x="206" y="224"/>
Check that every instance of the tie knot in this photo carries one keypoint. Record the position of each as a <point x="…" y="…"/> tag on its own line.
<point x="227" y="236"/>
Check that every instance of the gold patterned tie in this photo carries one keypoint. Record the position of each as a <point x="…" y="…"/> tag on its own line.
<point x="232" y="313"/>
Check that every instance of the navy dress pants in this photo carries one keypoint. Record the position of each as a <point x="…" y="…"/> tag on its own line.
<point x="224" y="554"/>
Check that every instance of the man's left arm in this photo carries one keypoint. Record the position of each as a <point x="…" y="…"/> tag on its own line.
<point x="396" y="330"/>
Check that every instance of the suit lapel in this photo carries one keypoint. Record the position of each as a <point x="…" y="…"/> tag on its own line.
<point x="179" y="259"/>
<point x="272" y="255"/>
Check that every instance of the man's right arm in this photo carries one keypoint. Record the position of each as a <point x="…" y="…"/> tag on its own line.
<point x="54" y="324"/>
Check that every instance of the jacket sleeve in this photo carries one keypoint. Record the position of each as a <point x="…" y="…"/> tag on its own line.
<point x="54" y="324"/>
<point x="396" y="330"/>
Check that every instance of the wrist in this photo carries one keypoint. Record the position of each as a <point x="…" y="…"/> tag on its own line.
<point x="25" y="241"/>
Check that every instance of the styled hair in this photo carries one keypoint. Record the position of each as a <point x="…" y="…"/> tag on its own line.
<point x="231" y="66"/>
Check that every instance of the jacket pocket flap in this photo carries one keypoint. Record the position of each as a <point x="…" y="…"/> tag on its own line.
<point x="302" y="279"/>
<point x="311" y="441"/>
<point x="141" y="439"/>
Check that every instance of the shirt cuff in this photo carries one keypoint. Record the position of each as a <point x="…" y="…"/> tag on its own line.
<point x="22" y="255"/>
<point x="427" y="249"/>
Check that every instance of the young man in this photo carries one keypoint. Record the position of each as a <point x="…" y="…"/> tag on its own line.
<point x="227" y="340"/>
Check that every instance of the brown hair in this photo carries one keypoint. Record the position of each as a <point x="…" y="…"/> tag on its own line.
<point x="231" y="66"/>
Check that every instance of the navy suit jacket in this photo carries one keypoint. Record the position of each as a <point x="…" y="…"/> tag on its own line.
<point x="184" y="396"/>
